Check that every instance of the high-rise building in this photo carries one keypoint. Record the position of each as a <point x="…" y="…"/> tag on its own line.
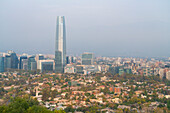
<point x="87" y="59"/>
<point x="22" y="58"/>
<point x="7" y="62"/>
<point x="1" y="64"/>
<point x="32" y="65"/>
<point x="24" y="64"/>
<point x="39" y="57"/>
<point x="67" y="60"/>
<point x="45" y="65"/>
<point x="70" y="59"/>
<point x="14" y="60"/>
<point x="11" y="60"/>
<point x="60" y="46"/>
<point x="73" y="59"/>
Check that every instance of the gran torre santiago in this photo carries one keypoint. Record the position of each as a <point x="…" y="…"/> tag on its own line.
<point x="60" y="45"/>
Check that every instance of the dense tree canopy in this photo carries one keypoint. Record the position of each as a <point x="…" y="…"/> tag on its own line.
<point x="25" y="105"/>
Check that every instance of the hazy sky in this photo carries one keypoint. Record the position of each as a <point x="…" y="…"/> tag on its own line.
<point x="105" y="27"/>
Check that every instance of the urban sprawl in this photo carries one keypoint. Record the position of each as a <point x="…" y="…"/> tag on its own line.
<point x="82" y="84"/>
<point x="88" y="84"/>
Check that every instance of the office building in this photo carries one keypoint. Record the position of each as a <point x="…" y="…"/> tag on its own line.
<point x="14" y="60"/>
<point x="60" y="49"/>
<point x="24" y="64"/>
<point x="39" y="57"/>
<point x="32" y="65"/>
<point x="22" y="58"/>
<point x="70" y="59"/>
<point x="67" y="60"/>
<point x="1" y="64"/>
<point x="11" y="60"/>
<point x="87" y="59"/>
<point x="45" y="65"/>
<point x="7" y="62"/>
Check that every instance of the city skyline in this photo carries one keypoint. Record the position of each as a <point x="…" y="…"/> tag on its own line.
<point x="132" y="29"/>
<point x="85" y="56"/>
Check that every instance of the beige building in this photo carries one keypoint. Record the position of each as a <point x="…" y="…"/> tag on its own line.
<point x="168" y="75"/>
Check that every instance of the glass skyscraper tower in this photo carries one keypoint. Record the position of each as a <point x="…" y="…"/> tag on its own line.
<point x="1" y="63"/>
<point x="60" y="45"/>
<point x="11" y="60"/>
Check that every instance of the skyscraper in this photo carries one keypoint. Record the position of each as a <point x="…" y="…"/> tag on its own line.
<point x="1" y="63"/>
<point x="14" y="60"/>
<point x="7" y="62"/>
<point x="11" y="60"/>
<point x="32" y="65"/>
<point x="22" y="58"/>
<point x="87" y="59"/>
<point x="70" y="59"/>
<point x="67" y="60"/>
<point x="60" y="46"/>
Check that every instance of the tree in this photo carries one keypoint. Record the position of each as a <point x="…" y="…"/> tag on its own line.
<point x="94" y="109"/>
<point x="3" y="109"/>
<point x="69" y="109"/>
<point x="168" y="104"/>
<point x="92" y="96"/>
<point x="38" y="109"/>
<point x="59" y="111"/>
<point x="45" y="94"/>
<point x="2" y="91"/>
<point x="23" y="105"/>
<point x="19" y="105"/>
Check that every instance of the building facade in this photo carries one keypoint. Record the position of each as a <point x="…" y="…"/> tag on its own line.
<point x="39" y="57"/>
<point x="45" y="65"/>
<point x="87" y="59"/>
<point x="168" y="75"/>
<point x="14" y="60"/>
<point x="60" y="49"/>
<point x="32" y="65"/>
<point x="7" y="62"/>
<point x="11" y="60"/>
<point x="22" y="58"/>
<point x="1" y="64"/>
<point x="24" y="64"/>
